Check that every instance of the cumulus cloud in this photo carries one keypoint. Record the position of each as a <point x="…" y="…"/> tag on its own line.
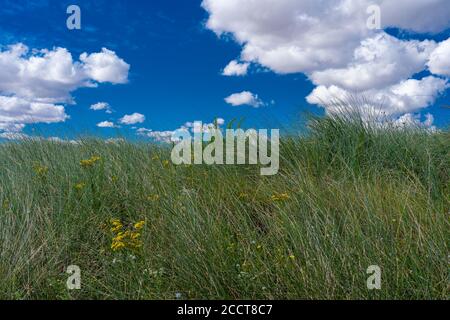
<point x="330" y="43"/>
<point x="234" y="68"/>
<point x="187" y="128"/>
<point x="35" y="84"/>
<point x="101" y="106"/>
<point x="439" y="62"/>
<point x="421" y="16"/>
<point x="105" y="66"/>
<point x="106" y="124"/>
<point x="378" y="62"/>
<point x="309" y="35"/>
<point x="407" y="96"/>
<point x="132" y="118"/>
<point x="244" y="98"/>
<point x="11" y="127"/>
<point x="15" y="111"/>
<point x="414" y="120"/>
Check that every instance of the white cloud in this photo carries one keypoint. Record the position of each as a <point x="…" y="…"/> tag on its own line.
<point x="244" y="98"/>
<point x="132" y="118"/>
<point x="16" y="112"/>
<point x="405" y="97"/>
<point x="9" y="135"/>
<point x="13" y="136"/>
<point x="34" y="85"/>
<point x="309" y="35"/>
<point x="159" y="136"/>
<point x="188" y="127"/>
<point x="330" y="42"/>
<point x="414" y="120"/>
<point x="106" y="124"/>
<point x="378" y="62"/>
<point x="439" y="62"/>
<point x="101" y="106"/>
<point x="234" y="68"/>
<point x="11" y="127"/>
<point x="105" y="66"/>
<point x="417" y="15"/>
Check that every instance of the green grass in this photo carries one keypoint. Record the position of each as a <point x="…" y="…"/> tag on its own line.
<point x="358" y="196"/>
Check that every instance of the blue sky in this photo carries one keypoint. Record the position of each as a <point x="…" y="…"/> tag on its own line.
<point x="175" y="62"/>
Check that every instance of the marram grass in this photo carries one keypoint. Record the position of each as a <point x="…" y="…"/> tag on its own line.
<point x="347" y="196"/>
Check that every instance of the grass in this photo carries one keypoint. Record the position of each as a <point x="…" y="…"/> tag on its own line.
<point x="347" y="196"/>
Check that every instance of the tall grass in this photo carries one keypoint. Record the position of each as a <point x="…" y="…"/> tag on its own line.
<point x="348" y="196"/>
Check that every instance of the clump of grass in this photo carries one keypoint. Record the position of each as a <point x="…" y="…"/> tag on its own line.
<point x="348" y="196"/>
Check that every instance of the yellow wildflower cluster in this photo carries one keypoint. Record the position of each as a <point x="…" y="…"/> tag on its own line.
<point x="90" y="162"/>
<point x="243" y="195"/>
<point x="125" y="236"/>
<point x="40" y="170"/>
<point x="80" y="186"/>
<point x="153" y="197"/>
<point x="5" y="204"/>
<point x="280" y="197"/>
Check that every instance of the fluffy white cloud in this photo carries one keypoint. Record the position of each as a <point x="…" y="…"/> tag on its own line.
<point x="105" y="66"/>
<point x="439" y="62"/>
<point x="101" y="106"/>
<point x="161" y="136"/>
<point x="132" y="118"/>
<point x="16" y="112"/>
<point x="414" y="120"/>
<point x="11" y="127"/>
<point x="35" y="84"/>
<point x="378" y="62"/>
<point x="309" y="35"/>
<point x="234" y="68"/>
<point x="244" y="98"/>
<point x="187" y="128"/>
<point x="417" y="15"/>
<point x="330" y="42"/>
<point x="405" y="97"/>
<point x="106" y="124"/>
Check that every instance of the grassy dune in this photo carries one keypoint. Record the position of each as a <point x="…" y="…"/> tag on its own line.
<point x="346" y="197"/>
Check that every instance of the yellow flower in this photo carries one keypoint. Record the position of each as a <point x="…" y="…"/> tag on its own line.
<point x="292" y="257"/>
<point x="5" y="204"/>
<point x="116" y="225"/>
<point x="117" y="245"/>
<point x="139" y="225"/>
<point x="135" y="235"/>
<point x="154" y="197"/>
<point x="90" y="162"/>
<point x="40" y="170"/>
<point x="166" y="163"/>
<point x="280" y="197"/>
<point x="124" y="237"/>
<point x="80" y="186"/>
<point x="155" y="157"/>
<point x="114" y="178"/>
